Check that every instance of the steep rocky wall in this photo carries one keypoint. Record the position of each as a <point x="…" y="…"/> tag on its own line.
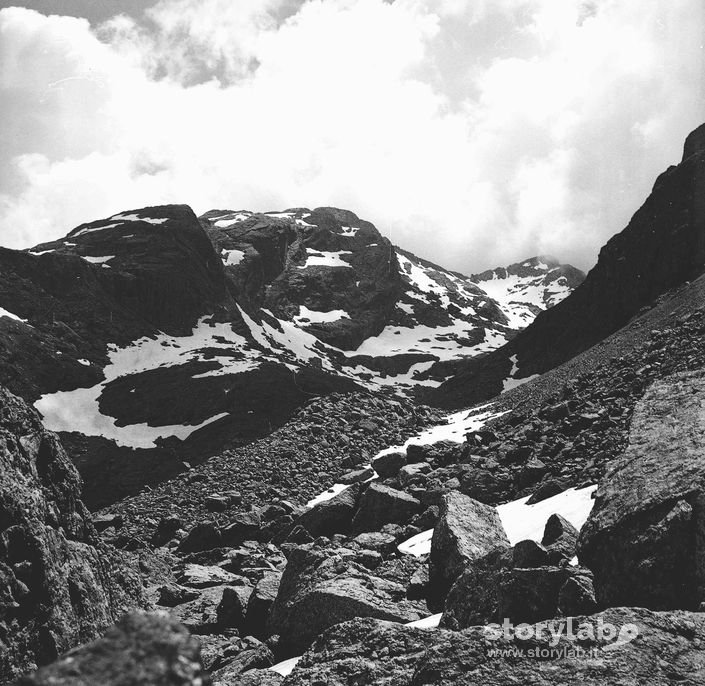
<point x="59" y="585"/>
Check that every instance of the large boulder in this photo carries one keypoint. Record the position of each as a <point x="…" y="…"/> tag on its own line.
<point x="260" y="604"/>
<point x="333" y="516"/>
<point x="647" y="647"/>
<point x="466" y="531"/>
<point x="140" y="649"/>
<point x="644" y="538"/>
<point x="382" y="505"/>
<point x="322" y="587"/>
<point x="59" y="584"/>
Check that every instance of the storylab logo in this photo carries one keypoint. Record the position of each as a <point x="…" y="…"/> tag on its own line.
<point x="553" y="639"/>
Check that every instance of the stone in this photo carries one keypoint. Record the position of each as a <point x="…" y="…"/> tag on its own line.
<point x="232" y="609"/>
<point x="474" y="598"/>
<point x="528" y="553"/>
<point x="333" y="516"/>
<point x="560" y="539"/>
<point x="203" y="536"/>
<point x="201" y="576"/>
<point x="107" y="521"/>
<point x="244" y="526"/>
<point x="644" y="538"/>
<point x="466" y="531"/>
<point x="357" y="476"/>
<point x="322" y="587"/>
<point x="380" y="505"/>
<point x="166" y="530"/>
<point x="200" y="615"/>
<point x="407" y="473"/>
<point x="139" y="649"/>
<point x="255" y="657"/>
<point x="260" y="604"/>
<point x="385" y="544"/>
<point x="577" y="596"/>
<point x="171" y="595"/>
<point x="388" y="465"/>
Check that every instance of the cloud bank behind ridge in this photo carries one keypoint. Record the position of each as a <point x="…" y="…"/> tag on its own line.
<point x="473" y="133"/>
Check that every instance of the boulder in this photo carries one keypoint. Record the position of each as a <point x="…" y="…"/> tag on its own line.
<point x="200" y="615"/>
<point x="560" y="538"/>
<point x="474" y="598"/>
<point x="201" y="576"/>
<point x="60" y="585"/>
<point x="382" y="505"/>
<point x="644" y="539"/>
<point x="256" y="656"/>
<point x="466" y="531"/>
<point x="365" y="652"/>
<point x="232" y="609"/>
<point x="528" y="553"/>
<point x="388" y="465"/>
<point x="244" y="526"/>
<point x="203" y="536"/>
<point x="332" y="516"/>
<point x="322" y="587"/>
<point x="377" y="541"/>
<point x="139" y="649"/>
<point x="260" y="604"/>
<point x="530" y="595"/>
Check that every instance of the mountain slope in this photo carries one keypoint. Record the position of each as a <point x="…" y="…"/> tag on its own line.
<point x="154" y="337"/>
<point x="662" y="247"/>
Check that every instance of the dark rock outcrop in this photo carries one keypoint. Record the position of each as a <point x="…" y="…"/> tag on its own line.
<point x="59" y="584"/>
<point x="333" y="516"/>
<point x="644" y="539"/>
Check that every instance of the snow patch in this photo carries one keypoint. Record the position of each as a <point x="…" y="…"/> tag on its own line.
<point x="6" y="313"/>
<point x="97" y="260"/>
<point x="286" y="667"/>
<point x="232" y="257"/>
<point x="137" y="218"/>
<point x="307" y="316"/>
<point x="319" y="258"/>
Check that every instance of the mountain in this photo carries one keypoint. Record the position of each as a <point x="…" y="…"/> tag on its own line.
<point x="662" y="247"/>
<point x="552" y="534"/>
<point x="153" y="337"/>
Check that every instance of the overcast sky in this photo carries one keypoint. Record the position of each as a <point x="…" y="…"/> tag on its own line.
<point x="472" y="132"/>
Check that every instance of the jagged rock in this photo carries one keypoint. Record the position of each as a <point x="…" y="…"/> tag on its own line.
<point x="256" y="656"/>
<point x="244" y="526"/>
<point x="668" y="650"/>
<point x="202" y="576"/>
<point x="232" y="610"/>
<point x="466" y="531"/>
<point x="139" y="649"/>
<point x="530" y="595"/>
<point x="380" y="505"/>
<point x="388" y="464"/>
<point x="577" y="596"/>
<point x="320" y="588"/>
<point x="200" y="615"/>
<point x="260" y="604"/>
<point x="166" y="530"/>
<point x="171" y="595"/>
<point x="375" y="540"/>
<point x="357" y="476"/>
<point x="474" y="598"/>
<point x="59" y="584"/>
<point x="528" y="553"/>
<point x="107" y="521"/>
<point x="407" y="473"/>
<point x="203" y="536"/>
<point x="560" y="538"/>
<point x="546" y="489"/>
<point x="332" y="516"/>
<point x="644" y="539"/>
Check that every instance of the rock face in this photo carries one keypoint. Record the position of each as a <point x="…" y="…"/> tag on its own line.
<point x="382" y="505"/>
<point x="661" y="248"/>
<point x="321" y="588"/>
<point x="466" y="531"/>
<point x="654" y="648"/>
<point x="644" y="538"/>
<point x="59" y="585"/>
<point x="140" y="649"/>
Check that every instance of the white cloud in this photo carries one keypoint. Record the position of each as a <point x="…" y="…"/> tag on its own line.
<point x="472" y="133"/>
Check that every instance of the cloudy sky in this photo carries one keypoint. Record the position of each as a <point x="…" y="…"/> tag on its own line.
<point x="472" y="132"/>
